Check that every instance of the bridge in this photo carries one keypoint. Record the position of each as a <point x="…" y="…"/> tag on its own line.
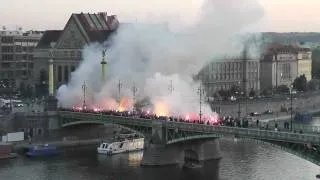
<point x="169" y="142"/>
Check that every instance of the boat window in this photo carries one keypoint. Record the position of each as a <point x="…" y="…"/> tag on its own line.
<point x="103" y="145"/>
<point x="121" y="145"/>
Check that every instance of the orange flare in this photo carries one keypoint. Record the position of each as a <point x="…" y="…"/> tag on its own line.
<point x="125" y="104"/>
<point x="161" y="108"/>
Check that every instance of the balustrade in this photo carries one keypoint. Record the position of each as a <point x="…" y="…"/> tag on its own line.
<point x="192" y="127"/>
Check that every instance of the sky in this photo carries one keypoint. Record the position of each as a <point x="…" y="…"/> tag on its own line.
<point x="279" y="15"/>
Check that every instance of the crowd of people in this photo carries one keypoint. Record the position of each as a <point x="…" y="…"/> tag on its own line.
<point x="217" y="120"/>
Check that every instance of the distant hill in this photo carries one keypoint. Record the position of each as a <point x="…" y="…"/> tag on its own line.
<point x="291" y="37"/>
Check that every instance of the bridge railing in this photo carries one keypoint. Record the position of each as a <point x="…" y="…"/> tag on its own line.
<point x="202" y="128"/>
<point x="107" y="118"/>
<point x="253" y="133"/>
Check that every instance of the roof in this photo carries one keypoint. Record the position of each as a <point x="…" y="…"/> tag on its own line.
<point x="98" y="26"/>
<point x="49" y="37"/>
<point x="277" y="48"/>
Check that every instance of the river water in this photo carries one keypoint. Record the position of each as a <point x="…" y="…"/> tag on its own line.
<point x="240" y="161"/>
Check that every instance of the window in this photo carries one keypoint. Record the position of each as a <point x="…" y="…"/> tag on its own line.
<point x="66" y="73"/>
<point x="5" y="65"/>
<point x="7" y="39"/>
<point x="30" y="57"/>
<point x="7" y="49"/>
<point x="79" y="54"/>
<point x="72" y="68"/>
<point x="59" y="73"/>
<point x="10" y="73"/>
<point x="7" y="57"/>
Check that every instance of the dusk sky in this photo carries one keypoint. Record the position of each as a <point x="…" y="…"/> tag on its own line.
<point x="279" y="15"/>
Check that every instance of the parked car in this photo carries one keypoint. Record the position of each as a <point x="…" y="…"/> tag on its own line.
<point x="254" y="114"/>
<point x="269" y="111"/>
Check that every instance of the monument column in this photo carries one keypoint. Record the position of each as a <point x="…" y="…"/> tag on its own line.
<point x="51" y="101"/>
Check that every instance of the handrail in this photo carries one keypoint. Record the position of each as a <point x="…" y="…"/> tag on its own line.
<point x="192" y="127"/>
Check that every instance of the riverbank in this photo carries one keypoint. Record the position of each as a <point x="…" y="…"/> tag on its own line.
<point x="20" y="147"/>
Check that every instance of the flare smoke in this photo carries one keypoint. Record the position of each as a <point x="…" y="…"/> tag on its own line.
<point x="150" y="56"/>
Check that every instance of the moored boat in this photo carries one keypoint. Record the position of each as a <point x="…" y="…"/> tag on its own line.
<point x="42" y="150"/>
<point x="6" y="151"/>
<point x="126" y="145"/>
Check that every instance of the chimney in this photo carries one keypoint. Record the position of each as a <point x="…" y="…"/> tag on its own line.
<point x="104" y="15"/>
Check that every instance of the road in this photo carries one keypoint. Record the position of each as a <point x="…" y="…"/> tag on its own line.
<point x="302" y="103"/>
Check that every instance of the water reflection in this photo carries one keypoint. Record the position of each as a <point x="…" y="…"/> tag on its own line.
<point x="210" y="169"/>
<point x="241" y="160"/>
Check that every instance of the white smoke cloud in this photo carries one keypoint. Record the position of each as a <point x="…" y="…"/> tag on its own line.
<point x="150" y="56"/>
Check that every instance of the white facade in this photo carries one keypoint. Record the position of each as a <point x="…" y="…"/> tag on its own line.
<point x="223" y="74"/>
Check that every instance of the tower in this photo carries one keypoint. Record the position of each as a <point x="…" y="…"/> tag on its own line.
<point x="51" y="78"/>
<point x="51" y="101"/>
<point x="103" y="66"/>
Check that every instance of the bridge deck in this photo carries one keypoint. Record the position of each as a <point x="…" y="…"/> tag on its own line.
<point x="192" y="127"/>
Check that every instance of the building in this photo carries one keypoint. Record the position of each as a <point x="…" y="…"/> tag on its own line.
<point x="16" y="58"/>
<point x="224" y="74"/>
<point x="304" y="62"/>
<point x="42" y="54"/>
<point x="65" y="47"/>
<point x="281" y="64"/>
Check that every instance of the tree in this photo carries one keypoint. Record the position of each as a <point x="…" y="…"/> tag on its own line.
<point x="313" y="84"/>
<point x="300" y="83"/>
<point x="266" y="92"/>
<point x="283" y="89"/>
<point x="234" y="89"/>
<point x="252" y="93"/>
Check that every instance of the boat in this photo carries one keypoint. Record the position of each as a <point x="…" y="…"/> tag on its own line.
<point x="192" y="165"/>
<point x="42" y="150"/>
<point x="122" y="146"/>
<point x="6" y="151"/>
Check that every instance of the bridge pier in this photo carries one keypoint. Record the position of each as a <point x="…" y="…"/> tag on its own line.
<point x="158" y="153"/>
<point x="205" y="149"/>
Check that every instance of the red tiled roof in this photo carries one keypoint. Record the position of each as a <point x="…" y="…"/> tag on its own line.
<point x="98" y="26"/>
<point x="276" y="48"/>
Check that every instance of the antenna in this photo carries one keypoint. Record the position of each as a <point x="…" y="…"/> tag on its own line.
<point x="119" y="90"/>
<point x="134" y="90"/>
<point x="244" y="72"/>
<point x="84" y="90"/>
<point x="171" y="88"/>
<point x="200" y="91"/>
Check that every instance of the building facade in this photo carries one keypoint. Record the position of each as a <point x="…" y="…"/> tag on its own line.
<point x="65" y="47"/>
<point x="224" y="74"/>
<point x="281" y="64"/>
<point x="304" y="62"/>
<point x="16" y="58"/>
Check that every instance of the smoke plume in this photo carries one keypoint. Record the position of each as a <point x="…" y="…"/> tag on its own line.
<point x="150" y="56"/>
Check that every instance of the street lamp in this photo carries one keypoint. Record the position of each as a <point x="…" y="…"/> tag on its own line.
<point x="291" y="109"/>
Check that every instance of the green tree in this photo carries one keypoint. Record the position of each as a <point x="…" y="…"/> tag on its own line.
<point x="300" y="83"/>
<point x="252" y="93"/>
<point x="283" y="89"/>
<point x="313" y="84"/>
<point x="234" y="89"/>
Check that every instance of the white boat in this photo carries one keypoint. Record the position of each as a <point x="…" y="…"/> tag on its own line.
<point x="126" y="145"/>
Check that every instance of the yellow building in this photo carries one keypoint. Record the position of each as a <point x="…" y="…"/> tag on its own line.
<point x="304" y="62"/>
<point x="282" y="64"/>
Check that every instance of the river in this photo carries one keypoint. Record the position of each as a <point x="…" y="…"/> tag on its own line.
<point x="240" y="161"/>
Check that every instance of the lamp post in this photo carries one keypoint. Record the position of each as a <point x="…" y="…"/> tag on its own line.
<point x="84" y="90"/>
<point x="291" y="109"/>
<point x="200" y="91"/>
<point x="134" y="91"/>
